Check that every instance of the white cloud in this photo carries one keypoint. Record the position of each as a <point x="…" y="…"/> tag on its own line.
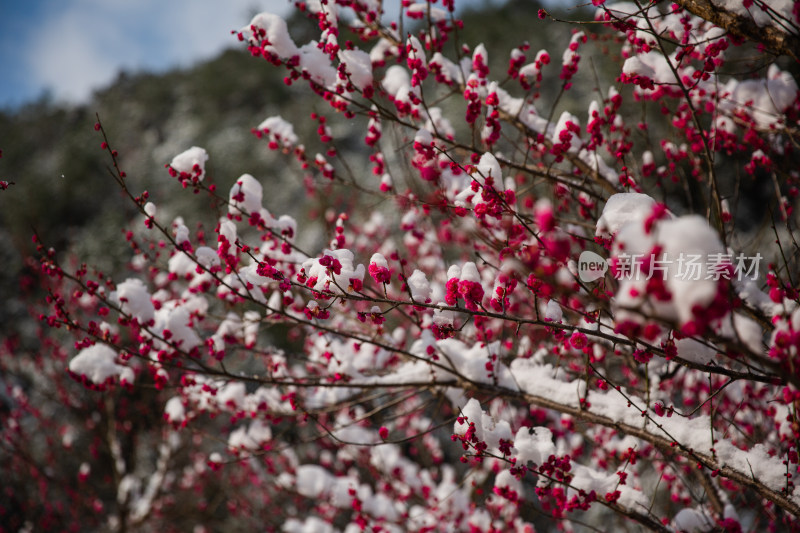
<point x="81" y="46"/>
<point x="65" y="54"/>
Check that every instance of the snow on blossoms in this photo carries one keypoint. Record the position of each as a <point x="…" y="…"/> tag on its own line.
<point x="98" y="364"/>
<point x="279" y="132"/>
<point x="670" y="268"/>
<point x="332" y="69"/>
<point x="189" y="166"/>
<point x="273" y="29"/>
<point x="334" y="272"/>
<point x="135" y="300"/>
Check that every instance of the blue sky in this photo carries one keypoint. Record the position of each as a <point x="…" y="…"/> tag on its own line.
<point x="68" y="48"/>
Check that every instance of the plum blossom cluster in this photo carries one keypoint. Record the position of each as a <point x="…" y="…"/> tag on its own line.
<point x="433" y="359"/>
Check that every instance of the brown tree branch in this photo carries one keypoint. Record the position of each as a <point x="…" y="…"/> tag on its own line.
<point x="775" y="39"/>
<point x="663" y="443"/>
